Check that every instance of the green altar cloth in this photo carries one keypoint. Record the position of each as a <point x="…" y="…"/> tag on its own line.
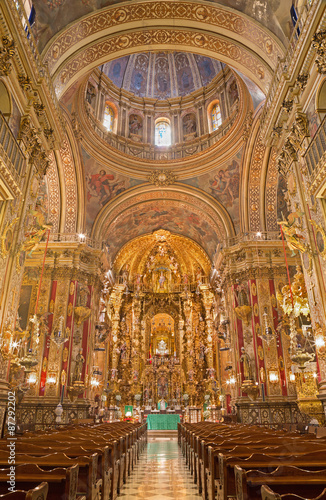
<point x="163" y="422"/>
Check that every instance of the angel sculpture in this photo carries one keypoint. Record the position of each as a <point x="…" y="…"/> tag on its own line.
<point x="290" y="231"/>
<point x="35" y="235"/>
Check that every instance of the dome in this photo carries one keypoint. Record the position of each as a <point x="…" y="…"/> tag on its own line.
<point x="162" y="75"/>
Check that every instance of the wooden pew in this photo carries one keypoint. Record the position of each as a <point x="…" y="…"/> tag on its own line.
<point x="310" y="461"/>
<point x="268" y="494"/>
<point x="87" y="477"/>
<point x="38" y="493"/>
<point x="62" y="483"/>
<point x="285" y="479"/>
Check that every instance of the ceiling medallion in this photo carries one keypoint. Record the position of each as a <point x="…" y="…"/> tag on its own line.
<point x="162" y="178"/>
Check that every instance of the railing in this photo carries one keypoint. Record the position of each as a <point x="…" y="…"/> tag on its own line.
<point x="315" y="154"/>
<point x="10" y="151"/>
<point x="252" y="237"/>
<point x="75" y="238"/>
<point x="286" y="64"/>
<point x="150" y="152"/>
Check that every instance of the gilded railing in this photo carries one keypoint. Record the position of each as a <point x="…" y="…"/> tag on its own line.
<point x="251" y="236"/>
<point x="315" y="154"/>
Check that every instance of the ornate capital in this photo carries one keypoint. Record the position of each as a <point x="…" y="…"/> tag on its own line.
<point x="162" y="178"/>
<point x="319" y="43"/>
<point x="6" y="53"/>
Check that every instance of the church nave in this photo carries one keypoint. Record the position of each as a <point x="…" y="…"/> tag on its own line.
<point x="160" y="473"/>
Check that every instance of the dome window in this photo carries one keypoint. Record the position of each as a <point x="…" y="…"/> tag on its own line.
<point x="108" y="117"/>
<point x="163" y="133"/>
<point x="216" y="117"/>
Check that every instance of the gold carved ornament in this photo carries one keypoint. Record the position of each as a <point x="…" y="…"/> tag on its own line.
<point x="7" y="52"/>
<point x="320" y="239"/>
<point x="162" y="178"/>
<point x="7" y="237"/>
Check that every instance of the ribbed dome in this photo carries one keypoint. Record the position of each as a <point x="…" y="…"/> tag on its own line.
<point x="162" y="75"/>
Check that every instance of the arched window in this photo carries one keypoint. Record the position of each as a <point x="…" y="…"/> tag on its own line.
<point x="216" y="117"/>
<point x="108" y="117"/>
<point x="162" y="133"/>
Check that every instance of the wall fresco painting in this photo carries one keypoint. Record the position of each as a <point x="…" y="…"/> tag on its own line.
<point x="102" y="185"/>
<point x="166" y="214"/>
<point x="223" y="184"/>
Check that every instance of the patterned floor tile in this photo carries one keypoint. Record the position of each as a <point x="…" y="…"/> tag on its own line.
<point x="161" y="473"/>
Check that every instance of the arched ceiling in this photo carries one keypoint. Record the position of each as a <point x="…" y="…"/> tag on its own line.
<point x="179" y="209"/>
<point x="182" y="255"/>
<point x="205" y="28"/>
<point x="53" y="16"/>
<point x="162" y="75"/>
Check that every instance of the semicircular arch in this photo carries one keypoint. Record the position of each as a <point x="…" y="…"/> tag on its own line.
<point x="216" y="31"/>
<point x="177" y="208"/>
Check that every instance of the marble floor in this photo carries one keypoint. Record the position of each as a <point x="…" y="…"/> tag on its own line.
<point x="160" y="473"/>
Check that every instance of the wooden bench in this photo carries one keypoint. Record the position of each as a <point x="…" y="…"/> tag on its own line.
<point x="285" y="479"/>
<point x="61" y="482"/>
<point x="87" y="477"/>
<point x="260" y="461"/>
<point x="38" y="493"/>
<point x="268" y="494"/>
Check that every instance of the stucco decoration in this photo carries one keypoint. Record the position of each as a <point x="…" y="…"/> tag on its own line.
<point x="54" y="15"/>
<point x="94" y="39"/>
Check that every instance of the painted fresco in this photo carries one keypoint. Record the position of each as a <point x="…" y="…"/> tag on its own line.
<point x="184" y="73"/>
<point x="206" y="68"/>
<point x="69" y="96"/>
<point x="162" y="75"/>
<point x="162" y="79"/>
<point x="223" y="184"/>
<point x="115" y="70"/>
<point x="138" y="82"/>
<point x="256" y="94"/>
<point x="156" y="215"/>
<point x="102" y="185"/>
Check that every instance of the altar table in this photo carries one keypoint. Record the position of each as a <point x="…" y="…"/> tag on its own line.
<point x="162" y="422"/>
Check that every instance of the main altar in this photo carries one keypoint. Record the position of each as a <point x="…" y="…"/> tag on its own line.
<point x="161" y="326"/>
<point x="160" y="421"/>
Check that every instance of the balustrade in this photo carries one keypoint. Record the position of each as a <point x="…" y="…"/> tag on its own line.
<point x="10" y="152"/>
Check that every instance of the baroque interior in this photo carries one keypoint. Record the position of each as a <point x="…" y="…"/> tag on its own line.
<point x="162" y="209"/>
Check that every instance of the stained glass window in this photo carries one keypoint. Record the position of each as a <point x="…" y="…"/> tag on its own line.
<point x="162" y="133"/>
<point x="216" y="117"/>
<point x="108" y="117"/>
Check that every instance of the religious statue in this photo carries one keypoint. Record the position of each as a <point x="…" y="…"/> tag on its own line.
<point x="247" y="369"/>
<point x="80" y="360"/>
<point x="161" y="281"/>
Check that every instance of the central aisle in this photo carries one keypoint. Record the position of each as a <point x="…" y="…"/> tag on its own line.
<point x="160" y="473"/>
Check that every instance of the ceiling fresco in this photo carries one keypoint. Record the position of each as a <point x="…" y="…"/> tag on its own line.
<point x="54" y="15"/>
<point x="162" y="75"/>
<point x="170" y="215"/>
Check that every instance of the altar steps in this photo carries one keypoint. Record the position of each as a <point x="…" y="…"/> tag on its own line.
<point x="162" y="435"/>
